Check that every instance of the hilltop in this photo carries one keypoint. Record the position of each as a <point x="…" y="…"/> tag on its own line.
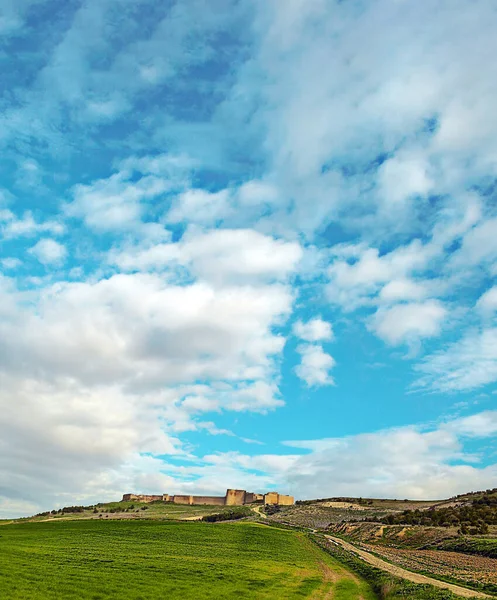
<point x="418" y="548"/>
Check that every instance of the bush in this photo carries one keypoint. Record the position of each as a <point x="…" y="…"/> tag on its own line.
<point x="473" y="518"/>
<point x="230" y="514"/>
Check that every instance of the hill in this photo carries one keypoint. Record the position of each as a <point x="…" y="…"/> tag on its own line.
<point x="144" y="559"/>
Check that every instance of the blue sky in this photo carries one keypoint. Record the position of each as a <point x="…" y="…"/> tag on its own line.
<point x="247" y="244"/>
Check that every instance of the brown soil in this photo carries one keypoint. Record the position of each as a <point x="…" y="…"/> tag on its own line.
<point x="404" y="573"/>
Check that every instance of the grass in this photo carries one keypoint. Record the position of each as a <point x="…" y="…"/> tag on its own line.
<point x="478" y="546"/>
<point x="145" y="560"/>
<point x="133" y="510"/>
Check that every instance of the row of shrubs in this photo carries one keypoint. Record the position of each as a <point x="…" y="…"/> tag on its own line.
<point x="480" y="547"/>
<point x="362" y="501"/>
<point x="473" y="518"/>
<point x="230" y="514"/>
<point x="98" y="508"/>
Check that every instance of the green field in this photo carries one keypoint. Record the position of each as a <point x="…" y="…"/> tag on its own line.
<point x="132" y="510"/>
<point x="142" y="560"/>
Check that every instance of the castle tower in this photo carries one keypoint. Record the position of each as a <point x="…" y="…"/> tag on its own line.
<point x="235" y="497"/>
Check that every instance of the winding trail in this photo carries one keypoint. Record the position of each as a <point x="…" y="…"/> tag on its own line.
<point x="258" y="509"/>
<point x="404" y="573"/>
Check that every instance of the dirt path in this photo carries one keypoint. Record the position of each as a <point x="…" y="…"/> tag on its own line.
<point x="404" y="573"/>
<point x="334" y="575"/>
<point x="258" y="509"/>
<point x="330" y="577"/>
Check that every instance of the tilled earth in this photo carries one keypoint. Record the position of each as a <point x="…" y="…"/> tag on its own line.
<point x="463" y="567"/>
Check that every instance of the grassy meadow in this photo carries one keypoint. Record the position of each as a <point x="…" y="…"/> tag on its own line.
<point x="144" y="559"/>
<point x="130" y="510"/>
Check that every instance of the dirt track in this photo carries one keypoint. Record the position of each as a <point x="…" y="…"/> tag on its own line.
<point x="405" y="574"/>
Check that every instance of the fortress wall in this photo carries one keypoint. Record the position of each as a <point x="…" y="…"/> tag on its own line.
<point x="216" y="500"/>
<point x="182" y="499"/>
<point x="128" y="497"/>
<point x="271" y="498"/>
<point x="141" y="497"/>
<point x="235" y="497"/>
<point x="232" y="498"/>
<point x="251" y="497"/>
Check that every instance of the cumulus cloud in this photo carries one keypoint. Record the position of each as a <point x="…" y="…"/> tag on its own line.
<point x="315" y="365"/>
<point x="406" y="462"/>
<point x="315" y="330"/>
<point x="117" y="361"/>
<point x="221" y="256"/>
<point x="49" y="252"/>
<point x="10" y="262"/>
<point x="367" y="184"/>
<point x="14" y="227"/>
<point x="403" y="177"/>
<point x="119" y="201"/>
<point x="487" y="303"/>
<point x="200" y="206"/>
<point x="407" y="322"/>
<point x="358" y="273"/>
<point x="98" y="331"/>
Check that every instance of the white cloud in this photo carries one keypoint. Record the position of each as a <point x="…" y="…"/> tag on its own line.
<point x="463" y="365"/>
<point x="315" y="365"/>
<point x="49" y="252"/>
<point x="116" y="361"/>
<point x="113" y="203"/>
<point x="240" y="254"/>
<point x="487" y="303"/>
<point x="403" y="177"/>
<point x="256" y="192"/>
<point x="200" y="206"/>
<point x="220" y="256"/>
<point x="408" y="322"/>
<point x="481" y="425"/>
<point x="479" y="244"/>
<point x="140" y="329"/>
<point x="396" y="463"/>
<point x="404" y="462"/>
<point x="357" y="273"/>
<point x="385" y="122"/>
<point x="118" y="202"/>
<point x="315" y="330"/>
<point x="350" y="151"/>
<point x="14" y="227"/>
<point x="10" y="262"/>
<point x="403" y="289"/>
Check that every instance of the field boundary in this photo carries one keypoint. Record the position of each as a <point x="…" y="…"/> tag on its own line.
<point x="397" y="571"/>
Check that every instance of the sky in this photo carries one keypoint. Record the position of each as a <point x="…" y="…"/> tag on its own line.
<point x="247" y="244"/>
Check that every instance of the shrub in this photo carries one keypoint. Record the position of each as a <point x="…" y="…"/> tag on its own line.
<point x="230" y="514"/>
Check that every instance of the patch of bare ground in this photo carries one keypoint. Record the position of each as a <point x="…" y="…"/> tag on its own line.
<point x="332" y="574"/>
<point x="398" y="571"/>
<point x="347" y="505"/>
<point x="417" y="536"/>
<point x="466" y="568"/>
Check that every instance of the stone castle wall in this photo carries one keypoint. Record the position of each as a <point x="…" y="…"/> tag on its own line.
<point x="285" y="500"/>
<point x="279" y="499"/>
<point x="211" y="500"/>
<point x="182" y="499"/>
<point x="142" y="497"/>
<point x="235" y="497"/>
<point x="232" y="498"/>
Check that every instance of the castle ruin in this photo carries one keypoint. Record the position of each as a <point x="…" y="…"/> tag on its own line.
<point x="231" y="498"/>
